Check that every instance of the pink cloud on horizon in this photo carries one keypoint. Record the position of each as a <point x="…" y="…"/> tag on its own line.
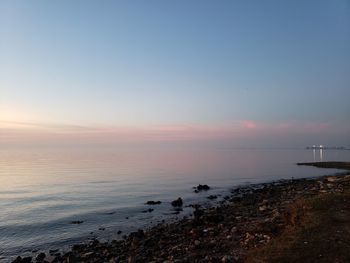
<point x="241" y="130"/>
<point x="249" y="124"/>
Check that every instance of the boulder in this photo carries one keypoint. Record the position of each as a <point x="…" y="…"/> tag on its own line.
<point x="178" y="202"/>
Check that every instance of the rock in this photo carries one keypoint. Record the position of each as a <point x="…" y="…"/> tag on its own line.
<point x="102" y="229"/>
<point x="331" y="179"/>
<point x="72" y="259"/>
<point x="226" y="258"/>
<point x="77" y="222"/>
<point x="201" y="187"/>
<point x="53" y="251"/>
<point x="236" y="199"/>
<point x="119" y="232"/>
<point x="262" y="208"/>
<point x="212" y="197"/>
<point x="17" y="260"/>
<point x="197" y="243"/>
<point x="137" y="234"/>
<point x="58" y="260"/>
<point x="88" y="254"/>
<point x="197" y="213"/>
<point x="153" y="202"/>
<point x="234" y="230"/>
<point x="148" y="210"/>
<point x="26" y="260"/>
<point x="177" y="202"/>
<point x="214" y="218"/>
<point x="40" y="257"/>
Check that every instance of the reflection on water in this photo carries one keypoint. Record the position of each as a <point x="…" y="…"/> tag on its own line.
<point x="314" y="154"/>
<point x="320" y="155"/>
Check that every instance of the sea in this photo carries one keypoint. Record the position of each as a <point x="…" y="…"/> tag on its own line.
<point x="104" y="189"/>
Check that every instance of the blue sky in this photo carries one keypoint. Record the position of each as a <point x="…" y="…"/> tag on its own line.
<point x="176" y="63"/>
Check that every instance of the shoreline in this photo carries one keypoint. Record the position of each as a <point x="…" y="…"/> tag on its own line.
<point x="251" y="217"/>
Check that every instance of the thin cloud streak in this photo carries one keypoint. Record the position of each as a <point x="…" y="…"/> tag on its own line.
<point x="240" y="132"/>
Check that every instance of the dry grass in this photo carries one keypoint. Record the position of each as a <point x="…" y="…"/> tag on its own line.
<point x="318" y="231"/>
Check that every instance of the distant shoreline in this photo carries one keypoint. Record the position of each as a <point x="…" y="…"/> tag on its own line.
<point x="333" y="165"/>
<point x="250" y="218"/>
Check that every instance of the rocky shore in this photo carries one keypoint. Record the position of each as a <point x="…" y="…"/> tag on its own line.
<point x="251" y="217"/>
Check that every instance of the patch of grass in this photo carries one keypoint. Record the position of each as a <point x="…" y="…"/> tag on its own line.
<point x="318" y="231"/>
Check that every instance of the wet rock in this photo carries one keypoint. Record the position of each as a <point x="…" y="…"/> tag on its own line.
<point x="178" y="202"/>
<point x="102" y="228"/>
<point x="153" y="202"/>
<point x="72" y="259"/>
<point x="148" y="210"/>
<point x="119" y="232"/>
<point x="17" y="260"/>
<point x="40" y="257"/>
<point x="77" y="222"/>
<point x="236" y="199"/>
<point x="78" y="247"/>
<point x="212" y="197"/>
<point x="138" y="234"/>
<point x="201" y="187"/>
<point x="197" y="213"/>
<point x="26" y="260"/>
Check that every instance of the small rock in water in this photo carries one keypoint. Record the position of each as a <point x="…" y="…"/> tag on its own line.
<point x="101" y="228"/>
<point x="177" y="202"/>
<point x="212" y="197"/>
<point x="201" y="187"/>
<point x="77" y="222"/>
<point x="148" y="210"/>
<point x="153" y="202"/>
<point x="119" y="232"/>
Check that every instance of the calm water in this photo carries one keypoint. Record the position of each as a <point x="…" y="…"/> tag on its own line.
<point x="42" y="191"/>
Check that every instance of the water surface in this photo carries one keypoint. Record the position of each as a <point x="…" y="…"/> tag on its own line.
<point x="42" y="191"/>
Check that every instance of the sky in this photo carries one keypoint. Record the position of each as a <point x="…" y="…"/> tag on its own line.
<point x="238" y="73"/>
